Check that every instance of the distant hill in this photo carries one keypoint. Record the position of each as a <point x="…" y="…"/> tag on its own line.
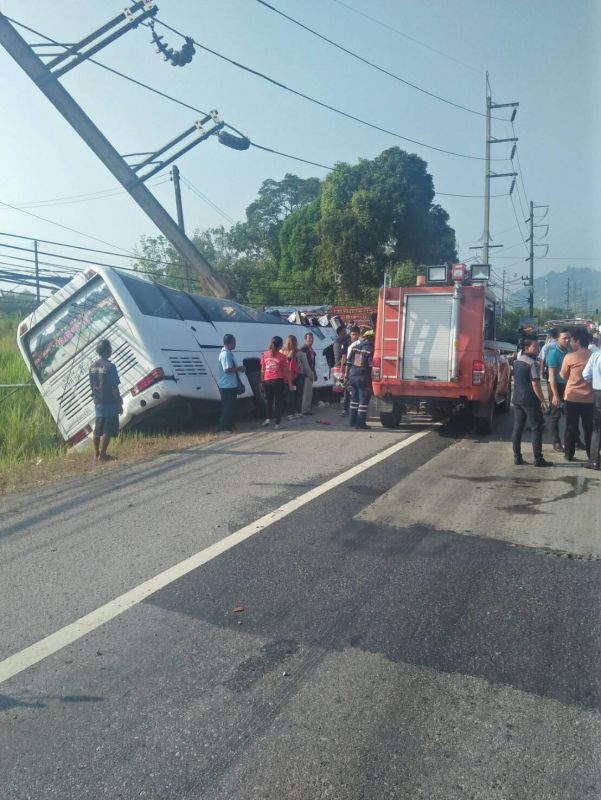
<point x="550" y="291"/>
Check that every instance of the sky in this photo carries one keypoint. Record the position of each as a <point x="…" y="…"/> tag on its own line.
<point x="541" y="53"/>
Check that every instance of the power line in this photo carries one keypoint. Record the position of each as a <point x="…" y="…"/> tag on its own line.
<point x="80" y="198"/>
<point x="200" y="111"/>
<point x="369" y="63"/>
<point x="406" y="36"/>
<point x="59" y="225"/>
<point x="298" y="93"/>
<point x="206" y="199"/>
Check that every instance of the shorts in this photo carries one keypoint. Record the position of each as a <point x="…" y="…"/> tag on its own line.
<point x="106" y="426"/>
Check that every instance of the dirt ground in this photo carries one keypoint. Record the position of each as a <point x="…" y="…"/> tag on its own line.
<point x="128" y="450"/>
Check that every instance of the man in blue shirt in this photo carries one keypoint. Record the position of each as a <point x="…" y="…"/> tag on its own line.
<point x="227" y="381"/>
<point x="592" y="374"/>
<point x="104" y="383"/>
<point x="555" y="357"/>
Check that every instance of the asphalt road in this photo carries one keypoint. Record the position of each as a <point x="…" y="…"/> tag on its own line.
<point x="425" y="627"/>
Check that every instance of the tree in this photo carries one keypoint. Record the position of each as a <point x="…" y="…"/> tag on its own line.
<point x="258" y="237"/>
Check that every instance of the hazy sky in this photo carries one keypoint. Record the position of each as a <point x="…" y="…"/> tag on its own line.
<point x="542" y="53"/>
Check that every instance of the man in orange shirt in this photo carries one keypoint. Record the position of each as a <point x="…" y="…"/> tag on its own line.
<point x="578" y="395"/>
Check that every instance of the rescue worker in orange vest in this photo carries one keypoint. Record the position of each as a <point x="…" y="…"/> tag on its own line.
<point x="359" y="368"/>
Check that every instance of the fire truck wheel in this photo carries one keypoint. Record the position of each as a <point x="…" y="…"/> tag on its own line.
<point x="483" y="424"/>
<point x="391" y="419"/>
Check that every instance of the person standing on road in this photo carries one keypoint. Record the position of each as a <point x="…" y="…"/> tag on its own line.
<point x="578" y="395"/>
<point x="104" y="383"/>
<point x="353" y="339"/>
<point x="360" y="361"/>
<point x="529" y="403"/>
<point x="299" y="371"/>
<point x="592" y="374"/>
<point x="555" y="358"/>
<point x="543" y="356"/>
<point x="227" y="381"/>
<point x="308" y="350"/>
<point x="275" y="375"/>
<point x="340" y="344"/>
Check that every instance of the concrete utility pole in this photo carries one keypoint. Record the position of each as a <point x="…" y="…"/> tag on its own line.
<point x="488" y="174"/>
<point x="180" y="221"/>
<point x="530" y="258"/>
<point x="568" y="300"/>
<point x="37" y="271"/>
<point x="531" y="281"/>
<point x="503" y="297"/>
<point x="45" y="79"/>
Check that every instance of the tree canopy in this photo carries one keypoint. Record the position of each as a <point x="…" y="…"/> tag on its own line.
<point x="311" y="241"/>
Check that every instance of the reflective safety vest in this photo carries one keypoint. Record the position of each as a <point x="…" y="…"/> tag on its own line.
<point x="360" y="359"/>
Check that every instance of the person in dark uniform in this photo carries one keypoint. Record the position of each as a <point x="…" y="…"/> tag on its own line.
<point x="359" y="365"/>
<point x="529" y="403"/>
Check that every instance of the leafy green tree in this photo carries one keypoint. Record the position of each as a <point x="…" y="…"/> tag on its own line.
<point x="258" y="237"/>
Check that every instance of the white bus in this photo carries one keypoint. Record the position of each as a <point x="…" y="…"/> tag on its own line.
<point x="165" y="345"/>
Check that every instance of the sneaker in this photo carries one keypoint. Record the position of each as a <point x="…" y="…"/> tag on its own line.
<point x="558" y="447"/>
<point x="593" y="465"/>
<point x="291" y="416"/>
<point x="568" y="458"/>
<point x="543" y="463"/>
<point x="266" y="422"/>
<point x="518" y="461"/>
<point x="276" y="427"/>
<point x="299" y="415"/>
<point x="344" y="413"/>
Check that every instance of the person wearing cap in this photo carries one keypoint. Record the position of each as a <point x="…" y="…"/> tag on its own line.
<point x="359" y="365"/>
<point x="104" y="383"/>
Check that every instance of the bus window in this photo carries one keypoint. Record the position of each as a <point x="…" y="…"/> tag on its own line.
<point x="222" y="310"/>
<point x="149" y="298"/>
<point x="185" y="306"/>
<point x="262" y="316"/>
<point x="70" y="327"/>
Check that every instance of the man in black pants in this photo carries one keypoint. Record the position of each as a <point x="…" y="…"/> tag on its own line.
<point x="529" y="403"/>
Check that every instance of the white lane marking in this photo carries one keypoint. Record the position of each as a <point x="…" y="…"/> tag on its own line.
<point x="76" y="630"/>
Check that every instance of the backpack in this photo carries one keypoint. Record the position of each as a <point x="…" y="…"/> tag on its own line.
<point x="328" y="353"/>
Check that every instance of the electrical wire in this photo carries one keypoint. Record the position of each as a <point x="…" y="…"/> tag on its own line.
<point x="59" y="225"/>
<point x="338" y="111"/>
<point x="82" y="198"/>
<point x="406" y="36"/>
<point x="206" y="199"/>
<point x="369" y="63"/>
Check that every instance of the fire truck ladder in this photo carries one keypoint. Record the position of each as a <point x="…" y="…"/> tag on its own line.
<point x="389" y="303"/>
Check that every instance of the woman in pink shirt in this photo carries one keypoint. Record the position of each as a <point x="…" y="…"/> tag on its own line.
<point x="578" y="395"/>
<point x="275" y="375"/>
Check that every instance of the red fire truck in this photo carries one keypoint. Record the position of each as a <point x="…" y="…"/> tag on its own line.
<point x="435" y="349"/>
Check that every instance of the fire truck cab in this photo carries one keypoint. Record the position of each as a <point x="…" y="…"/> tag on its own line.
<point x="435" y="349"/>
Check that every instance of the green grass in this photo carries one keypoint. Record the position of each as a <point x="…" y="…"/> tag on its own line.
<point x="27" y="431"/>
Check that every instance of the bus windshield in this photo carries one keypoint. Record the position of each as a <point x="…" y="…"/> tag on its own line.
<point x="70" y="327"/>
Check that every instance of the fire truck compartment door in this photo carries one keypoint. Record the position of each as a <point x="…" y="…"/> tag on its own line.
<point x="427" y="337"/>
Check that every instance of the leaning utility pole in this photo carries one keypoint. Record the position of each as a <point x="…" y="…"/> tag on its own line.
<point x="180" y="222"/>
<point x="45" y="76"/>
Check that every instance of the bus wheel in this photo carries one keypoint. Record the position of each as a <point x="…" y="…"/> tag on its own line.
<point x="483" y="424"/>
<point x="391" y="419"/>
<point x="254" y="378"/>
